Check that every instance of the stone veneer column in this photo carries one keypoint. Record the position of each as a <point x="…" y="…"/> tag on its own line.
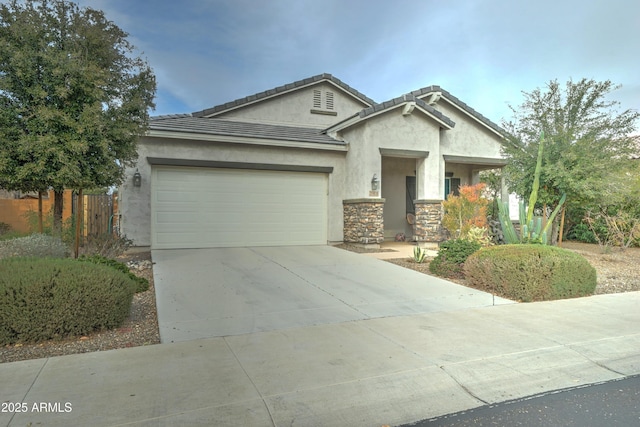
<point x="428" y="223"/>
<point x="363" y="221"/>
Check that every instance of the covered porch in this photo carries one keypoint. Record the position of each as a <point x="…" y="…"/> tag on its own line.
<point x="413" y="190"/>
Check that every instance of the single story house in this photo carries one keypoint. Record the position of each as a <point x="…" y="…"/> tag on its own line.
<point x="312" y="162"/>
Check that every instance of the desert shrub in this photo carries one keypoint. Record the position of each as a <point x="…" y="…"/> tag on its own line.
<point x="530" y="272"/>
<point x="46" y="298"/>
<point x="465" y="211"/>
<point x="622" y="227"/>
<point x="451" y="257"/>
<point x="142" y="284"/>
<point x="107" y="245"/>
<point x="35" y="245"/>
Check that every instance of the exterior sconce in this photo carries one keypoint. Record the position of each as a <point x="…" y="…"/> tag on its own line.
<point x="137" y="179"/>
<point x="375" y="183"/>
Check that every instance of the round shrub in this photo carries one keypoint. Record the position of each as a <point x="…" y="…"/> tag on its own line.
<point x="530" y="272"/>
<point x="452" y="255"/>
<point x="47" y="298"/>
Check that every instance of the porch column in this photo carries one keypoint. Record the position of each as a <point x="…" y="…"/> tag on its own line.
<point x="363" y="222"/>
<point x="427" y="227"/>
<point x="428" y="224"/>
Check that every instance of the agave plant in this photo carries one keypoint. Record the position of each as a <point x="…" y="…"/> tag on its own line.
<point x="419" y="254"/>
<point x="531" y="230"/>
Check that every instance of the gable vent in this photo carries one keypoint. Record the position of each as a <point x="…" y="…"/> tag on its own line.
<point x="323" y="103"/>
<point x="317" y="99"/>
<point x="329" y="100"/>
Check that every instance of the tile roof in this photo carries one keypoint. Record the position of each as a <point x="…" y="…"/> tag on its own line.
<point x="281" y="89"/>
<point x="376" y="108"/>
<point x="187" y="123"/>
<point x="402" y="100"/>
<point x="431" y="89"/>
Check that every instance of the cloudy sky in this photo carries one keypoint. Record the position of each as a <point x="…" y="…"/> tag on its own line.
<point x="485" y="52"/>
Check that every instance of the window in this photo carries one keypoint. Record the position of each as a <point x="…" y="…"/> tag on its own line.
<point x="451" y="186"/>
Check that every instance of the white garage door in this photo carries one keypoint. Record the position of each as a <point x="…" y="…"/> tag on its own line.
<point x="204" y="208"/>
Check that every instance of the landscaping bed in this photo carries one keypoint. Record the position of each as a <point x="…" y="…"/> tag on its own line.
<point x="617" y="270"/>
<point x="140" y="328"/>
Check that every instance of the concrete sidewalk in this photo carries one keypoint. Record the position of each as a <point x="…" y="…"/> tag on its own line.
<point x="362" y="373"/>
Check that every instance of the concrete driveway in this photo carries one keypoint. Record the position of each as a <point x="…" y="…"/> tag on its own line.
<point x="206" y="293"/>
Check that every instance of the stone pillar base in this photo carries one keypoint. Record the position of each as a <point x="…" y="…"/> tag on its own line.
<point x="363" y="222"/>
<point x="428" y="224"/>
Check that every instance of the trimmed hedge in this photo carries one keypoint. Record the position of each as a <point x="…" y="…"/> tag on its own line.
<point x="142" y="284"/>
<point x="46" y="298"/>
<point x="451" y="257"/>
<point x="530" y="272"/>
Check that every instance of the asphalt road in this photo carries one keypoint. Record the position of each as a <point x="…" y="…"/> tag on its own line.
<point x="614" y="403"/>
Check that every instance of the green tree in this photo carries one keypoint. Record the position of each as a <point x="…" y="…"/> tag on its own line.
<point x="587" y="143"/>
<point x="74" y="98"/>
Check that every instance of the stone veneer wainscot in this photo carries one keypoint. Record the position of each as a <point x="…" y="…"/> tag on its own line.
<point x="428" y="224"/>
<point x="363" y="221"/>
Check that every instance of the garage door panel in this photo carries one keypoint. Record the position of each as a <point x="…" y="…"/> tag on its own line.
<point x="227" y="207"/>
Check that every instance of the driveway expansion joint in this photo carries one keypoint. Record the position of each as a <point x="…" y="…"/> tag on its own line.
<point x="264" y="402"/>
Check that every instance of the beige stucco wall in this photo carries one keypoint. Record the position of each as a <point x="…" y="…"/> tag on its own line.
<point x="135" y="203"/>
<point x="468" y="137"/>
<point x="395" y="131"/>
<point x="294" y="108"/>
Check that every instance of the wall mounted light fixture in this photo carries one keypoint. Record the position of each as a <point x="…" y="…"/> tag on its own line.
<point x="375" y="183"/>
<point x="137" y="179"/>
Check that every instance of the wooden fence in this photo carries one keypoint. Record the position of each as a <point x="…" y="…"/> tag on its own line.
<point x="99" y="212"/>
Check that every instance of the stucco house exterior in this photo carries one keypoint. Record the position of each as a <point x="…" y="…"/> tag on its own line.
<point x="312" y="162"/>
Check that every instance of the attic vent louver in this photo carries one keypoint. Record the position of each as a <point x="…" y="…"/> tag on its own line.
<point x="323" y="103"/>
<point x="329" y="101"/>
<point x="317" y="99"/>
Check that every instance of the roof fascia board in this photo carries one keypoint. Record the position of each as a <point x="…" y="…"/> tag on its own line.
<point x="357" y="119"/>
<point x="404" y="154"/>
<point x="246" y="140"/>
<point x="287" y="91"/>
<point x="444" y="96"/>
<point x="485" y="161"/>
<point x="472" y="116"/>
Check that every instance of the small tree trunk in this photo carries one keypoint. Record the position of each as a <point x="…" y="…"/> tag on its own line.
<point x="561" y="227"/>
<point x="40" y="227"/>
<point x="58" y="200"/>
<point x="79" y="211"/>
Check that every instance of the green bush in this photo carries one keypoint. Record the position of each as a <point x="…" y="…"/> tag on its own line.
<point x="582" y="233"/>
<point x="142" y="284"/>
<point x="530" y="272"/>
<point x="47" y="298"/>
<point x="451" y="257"/>
<point x="35" y="245"/>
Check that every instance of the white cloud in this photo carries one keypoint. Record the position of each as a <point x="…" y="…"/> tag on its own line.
<point x="483" y="51"/>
